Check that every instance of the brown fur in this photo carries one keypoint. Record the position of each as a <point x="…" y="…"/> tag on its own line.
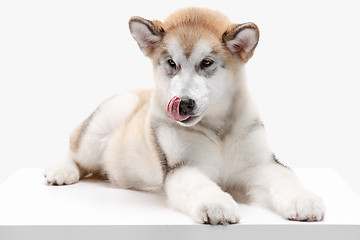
<point x="235" y="29"/>
<point x="75" y="138"/>
<point x="212" y="21"/>
<point x="189" y="25"/>
<point x="144" y="96"/>
<point x="196" y="23"/>
<point x="76" y="135"/>
<point x="155" y="28"/>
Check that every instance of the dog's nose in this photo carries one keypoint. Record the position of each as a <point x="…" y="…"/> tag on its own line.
<point x="186" y="106"/>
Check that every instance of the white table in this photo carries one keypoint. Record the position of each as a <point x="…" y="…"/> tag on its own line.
<point x="93" y="209"/>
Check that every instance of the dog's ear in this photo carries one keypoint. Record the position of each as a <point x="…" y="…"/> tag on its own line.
<point x="148" y="34"/>
<point x="241" y="40"/>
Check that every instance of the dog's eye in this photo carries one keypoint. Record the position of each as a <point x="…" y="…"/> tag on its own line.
<point x="171" y="63"/>
<point x="205" y="63"/>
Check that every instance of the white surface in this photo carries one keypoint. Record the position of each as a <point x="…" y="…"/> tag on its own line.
<point x="60" y="59"/>
<point x="25" y="199"/>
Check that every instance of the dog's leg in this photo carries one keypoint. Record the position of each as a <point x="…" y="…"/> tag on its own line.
<point x="191" y="192"/>
<point x="89" y="139"/>
<point x="67" y="171"/>
<point x="64" y="172"/>
<point x="276" y="187"/>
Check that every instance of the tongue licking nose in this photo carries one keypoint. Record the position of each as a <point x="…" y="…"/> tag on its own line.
<point x="173" y="110"/>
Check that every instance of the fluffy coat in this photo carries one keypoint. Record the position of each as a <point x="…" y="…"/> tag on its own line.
<point x="205" y="156"/>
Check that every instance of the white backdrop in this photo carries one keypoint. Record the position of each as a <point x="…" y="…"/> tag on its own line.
<point x="59" y="59"/>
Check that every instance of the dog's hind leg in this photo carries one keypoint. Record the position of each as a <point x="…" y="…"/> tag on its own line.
<point x="90" y="139"/>
<point x="64" y="172"/>
<point x="67" y="171"/>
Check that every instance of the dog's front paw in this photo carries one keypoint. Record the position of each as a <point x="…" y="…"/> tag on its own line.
<point x="63" y="173"/>
<point x="218" y="210"/>
<point x="304" y="206"/>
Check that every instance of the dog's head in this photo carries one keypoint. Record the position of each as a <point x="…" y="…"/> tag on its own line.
<point x="197" y="56"/>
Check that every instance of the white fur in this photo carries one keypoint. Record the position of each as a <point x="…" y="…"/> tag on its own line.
<point x="64" y="172"/>
<point x="278" y="189"/>
<point x="192" y="192"/>
<point x="207" y="92"/>
<point x="221" y="156"/>
<point x="105" y="119"/>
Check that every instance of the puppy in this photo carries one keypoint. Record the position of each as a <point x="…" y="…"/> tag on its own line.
<point x="197" y="136"/>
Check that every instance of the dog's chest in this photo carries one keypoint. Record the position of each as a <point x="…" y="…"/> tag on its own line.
<point x="201" y="149"/>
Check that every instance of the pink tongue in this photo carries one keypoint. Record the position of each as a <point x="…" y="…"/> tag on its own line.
<point x="173" y="110"/>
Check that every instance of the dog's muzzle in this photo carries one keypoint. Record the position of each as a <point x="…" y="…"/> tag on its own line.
<point x="180" y="109"/>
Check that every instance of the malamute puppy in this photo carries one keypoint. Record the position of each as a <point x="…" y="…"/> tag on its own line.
<point x="197" y="136"/>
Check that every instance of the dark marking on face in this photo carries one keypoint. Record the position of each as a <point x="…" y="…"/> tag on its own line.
<point x="207" y="66"/>
<point x="207" y="71"/>
<point x="172" y="68"/>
